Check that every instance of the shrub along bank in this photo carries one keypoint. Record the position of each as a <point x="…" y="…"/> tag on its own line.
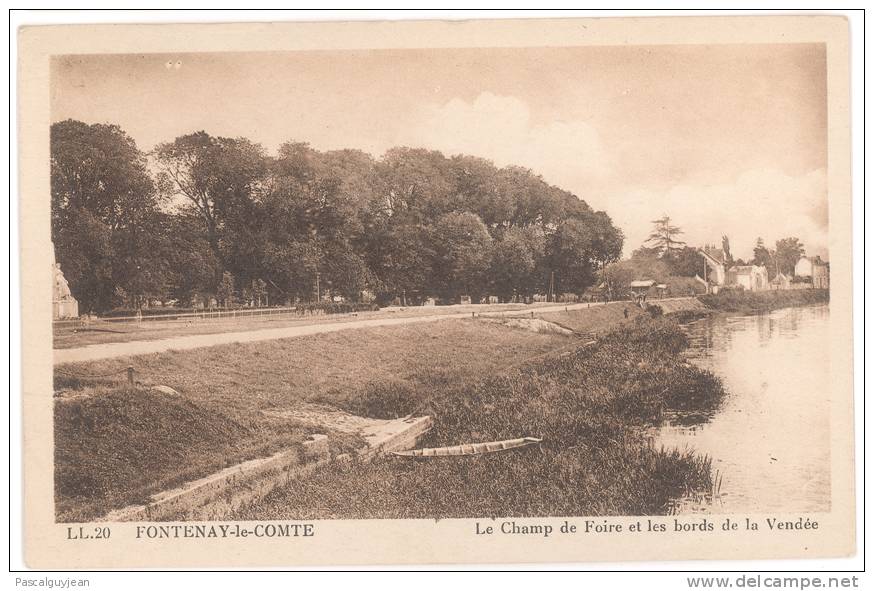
<point x="591" y="407"/>
<point x="752" y="302"/>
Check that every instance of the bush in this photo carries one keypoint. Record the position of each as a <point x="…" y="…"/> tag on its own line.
<point x="385" y="399"/>
<point x="751" y="302"/>
<point x="591" y="407"/>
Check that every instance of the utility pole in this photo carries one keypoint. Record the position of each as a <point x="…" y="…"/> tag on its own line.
<point x="318" y="288"/>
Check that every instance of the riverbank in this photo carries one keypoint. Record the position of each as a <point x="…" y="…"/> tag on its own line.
<point x="746" y="302"/>
<point x="589" y="405"/>
<point x="478" y="380"/>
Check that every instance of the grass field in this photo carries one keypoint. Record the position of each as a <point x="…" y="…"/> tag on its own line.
<point x="595" y="319"/>
<point x="69" y="335"/>
<point x="152" y="441"/>
<point x="117" y="446"/>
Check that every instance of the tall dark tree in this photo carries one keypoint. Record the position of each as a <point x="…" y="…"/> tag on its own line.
<point x="462" y="247"/>
<point x="664" y="236"/>
<point x="764" y="257"/>
<point x="516" y="258"/>
<point x="726" y="248"/>
<point x="104" y="208"/>
<point x="571" y="267"/>
<point x="787" y="253"/>
<point x="220" y="180"/>
<point x="685" y="262"/>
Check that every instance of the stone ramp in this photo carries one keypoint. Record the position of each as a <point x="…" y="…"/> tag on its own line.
<point x="221" y="494"/>
<point x="379" y="434"/>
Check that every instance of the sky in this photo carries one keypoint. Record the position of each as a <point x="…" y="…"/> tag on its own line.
<point x="725" y="139"/>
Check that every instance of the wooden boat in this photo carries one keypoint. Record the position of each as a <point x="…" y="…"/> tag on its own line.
<point x="469" y="449"/>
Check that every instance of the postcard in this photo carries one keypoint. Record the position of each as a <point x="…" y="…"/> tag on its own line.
<point x="496" y="291"/>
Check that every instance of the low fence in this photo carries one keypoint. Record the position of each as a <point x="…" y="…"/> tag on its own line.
<point x="216" y="314"/>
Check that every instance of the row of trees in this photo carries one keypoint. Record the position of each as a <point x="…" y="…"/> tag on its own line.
<point x="780" y="259"/>
<point x="206" y="216"/>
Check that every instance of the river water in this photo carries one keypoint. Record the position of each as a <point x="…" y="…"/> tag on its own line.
<point x="769" y="438"/>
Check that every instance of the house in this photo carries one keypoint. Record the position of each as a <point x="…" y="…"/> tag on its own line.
<point x="716" y="263"/>
<point x="814" y="268"/>
<point x="640" y="289"/>
<point x="748" y="277"/>
<point x="719" y="272"/>
<point x="781" y="281"/>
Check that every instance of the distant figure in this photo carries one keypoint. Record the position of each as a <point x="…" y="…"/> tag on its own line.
<point x="625" y="311"/>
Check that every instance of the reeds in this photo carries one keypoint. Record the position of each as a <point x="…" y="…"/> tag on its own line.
<point x="590" y="408"/>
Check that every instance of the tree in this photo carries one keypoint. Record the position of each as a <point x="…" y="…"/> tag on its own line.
<point x="225" y="292"/>
<point x="571" y="255"/>
<point x="219" y="178"/>
<point x="646" y="264"/>
<point x="726" y="248"/>
<point x="787" y="253"/>
<point x="616" y="279"/>
<point x="663" y="238"/>
<point x="402" y="257"/>
<point x="764" y="257"/>
<point x="259" y="292"/>
<point x="516" y="257"/>
<point x="211" y="212"/>
<point x="83" y="245"/>
<point x="191" y="262"/>
<point x="291" y="269"/>
<point x="462" y="246"/>
<point x="104" y="212"/>
<point x="685" y="262"/>
<point x="347" y="274"/>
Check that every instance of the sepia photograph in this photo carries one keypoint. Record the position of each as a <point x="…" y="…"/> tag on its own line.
<point x="505" y="284"/>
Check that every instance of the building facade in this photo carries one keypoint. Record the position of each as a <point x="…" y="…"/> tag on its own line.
<point x="814" y="268"/>
<point x="749" y="277"/>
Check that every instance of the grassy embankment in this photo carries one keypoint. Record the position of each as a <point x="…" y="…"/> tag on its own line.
<point x="116" y="445"/>
<point x="744" y="302"/>
<point x="590" y="406"/>
<point x="596" y="319"/>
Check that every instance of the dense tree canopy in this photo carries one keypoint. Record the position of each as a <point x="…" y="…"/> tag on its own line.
<point x="105" y="216"/>
<point x="787" y="253"/>
<point x="211" y="217"/>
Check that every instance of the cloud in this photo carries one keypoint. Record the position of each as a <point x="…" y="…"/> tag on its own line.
<point x="501" y="128"/>
<point x="761" y="202"/>
<point x="573" y="154"/>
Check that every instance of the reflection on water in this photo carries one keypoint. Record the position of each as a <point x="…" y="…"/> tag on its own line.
<point x="769" y="439"/>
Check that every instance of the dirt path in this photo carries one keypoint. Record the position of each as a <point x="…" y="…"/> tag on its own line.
<point x="110" y="350"/>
